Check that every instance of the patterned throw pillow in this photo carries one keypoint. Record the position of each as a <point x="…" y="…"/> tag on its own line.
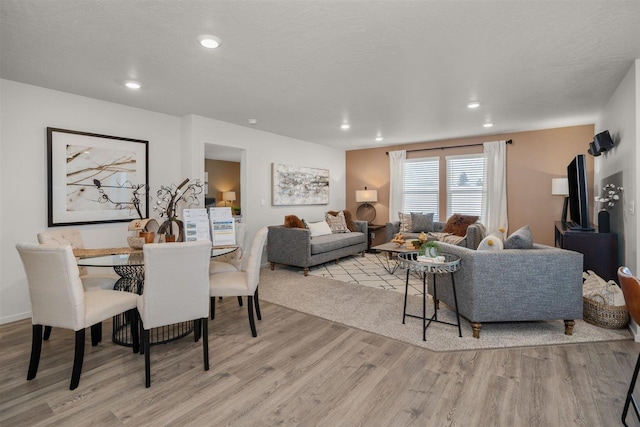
<point x="421" y="222"/>
<point x="405" y="222"/>
<point x="337" y="223"/>
<point x="348" y="218"/>
<point x="457" y="224"/>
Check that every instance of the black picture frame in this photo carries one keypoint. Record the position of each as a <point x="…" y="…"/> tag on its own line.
<point x="76" y="159"/>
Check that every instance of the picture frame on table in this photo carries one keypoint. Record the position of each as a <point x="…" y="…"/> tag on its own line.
<point x="91" y="177"/>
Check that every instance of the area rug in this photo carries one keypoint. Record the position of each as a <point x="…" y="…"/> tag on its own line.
<point x="376" y="310"/>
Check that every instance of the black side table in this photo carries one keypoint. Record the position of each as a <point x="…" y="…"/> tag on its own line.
<point x="371" y="233"/>
<point x="451" y="264"/>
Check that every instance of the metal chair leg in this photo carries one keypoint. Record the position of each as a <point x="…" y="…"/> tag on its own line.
<point x="213" y="308"/>
<point x="205" y="342"/>
<point x="257" y="304"/>
<point x="47" y="333"/>
<point x="147" y="358"/>
<point x="239" y="300"/>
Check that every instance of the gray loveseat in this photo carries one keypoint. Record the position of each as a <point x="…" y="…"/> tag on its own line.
<point x="294" y="246"/>
<point x="475" y="233"/>
<point x="543" y="283"/>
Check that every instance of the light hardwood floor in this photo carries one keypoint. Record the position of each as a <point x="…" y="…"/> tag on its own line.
<point x="302" y="370"/>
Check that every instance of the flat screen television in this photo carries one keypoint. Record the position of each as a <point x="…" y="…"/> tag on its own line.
<point x="578" y="194"/>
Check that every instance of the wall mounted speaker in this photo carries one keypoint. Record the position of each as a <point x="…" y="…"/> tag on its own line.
<point x="592" y="150"/>
<point x="602" y="142"/>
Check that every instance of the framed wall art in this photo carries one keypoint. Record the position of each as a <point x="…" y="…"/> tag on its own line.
<point x="294" y="185"/>
<point x="95" y="178"/>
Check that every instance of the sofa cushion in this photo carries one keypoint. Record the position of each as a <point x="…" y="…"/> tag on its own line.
<point x="292" y="221"/>
<point x="491" y="243"/>
<point x="405" y="222"/>
<point x="319" y="228"/>
<point x="337" y="222"/>
<point x="457" y="224"/>
<point x="421" y="222"/>
<point x="520" y="239"/>
<point x="330" y="242"/>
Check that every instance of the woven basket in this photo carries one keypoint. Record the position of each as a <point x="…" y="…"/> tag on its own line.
<point x="604" y="315"/>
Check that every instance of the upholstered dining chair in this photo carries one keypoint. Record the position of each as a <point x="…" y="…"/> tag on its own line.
<point x="233" y="261"/>
<point x="58" y="299"/>
<point x="242" y="283"/>
<point x="176" y="289"/>
<point x="74" y="238"/>
<point x="631" y="290"/>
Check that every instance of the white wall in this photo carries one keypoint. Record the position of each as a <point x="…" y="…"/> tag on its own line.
<point x="620" y="117"/>
<point x="261" y="150"/>
<point x="176" y="151"/>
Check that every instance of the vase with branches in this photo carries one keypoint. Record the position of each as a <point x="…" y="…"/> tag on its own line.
<point x="168" y="199"/>
<point x="611" y="194"/>
<point x="138" y="191"/>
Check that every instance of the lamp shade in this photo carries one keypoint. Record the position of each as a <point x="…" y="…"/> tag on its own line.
<point x="229" y="196"/>
<point x="366" y="195"/>
<point x="560" y="187"/>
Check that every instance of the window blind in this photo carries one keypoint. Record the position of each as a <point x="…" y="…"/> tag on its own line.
<point x="464" y="184"/>
<point x="422" y="186"/>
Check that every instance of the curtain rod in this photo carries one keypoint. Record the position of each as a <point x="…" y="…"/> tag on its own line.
<point x="510" y="141"/>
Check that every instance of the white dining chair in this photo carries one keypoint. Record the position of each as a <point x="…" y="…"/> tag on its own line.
<point x="242" y="283"/>
<point x="233" y="261"/>
<point x="73" y="237"/>
<point x="58" y="299"/>
<point x="176" y="289"/>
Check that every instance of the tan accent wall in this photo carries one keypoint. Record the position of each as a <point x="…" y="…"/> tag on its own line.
<point x="223" y="176"/>
<point x="534" y="158"/>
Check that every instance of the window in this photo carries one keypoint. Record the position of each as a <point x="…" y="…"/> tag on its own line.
<point x="465" y="174"/>
<point x="421" y="185"/>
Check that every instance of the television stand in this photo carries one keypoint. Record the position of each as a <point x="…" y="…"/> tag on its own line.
<point x="600" y="250"/>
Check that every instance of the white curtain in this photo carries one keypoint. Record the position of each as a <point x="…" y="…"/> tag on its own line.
<point x="396" y="183"/>
<point x="495" y="186"/>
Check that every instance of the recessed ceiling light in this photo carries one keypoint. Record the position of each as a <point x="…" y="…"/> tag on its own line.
<point x="252" y="121"/>
<point x="488" y="125"/>
<point x="473" y="105"/>
<point x="210" y="42"/>
<point x="132" y="85"/>
<point x="345" y="126"/>
<point x="379" y="138"/>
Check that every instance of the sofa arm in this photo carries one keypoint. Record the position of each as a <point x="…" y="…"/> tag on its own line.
<point x="361" y="226"/>
<point x="392" y="228"/>
<point x="475" y="233"/>
<point x="291" y="246"/>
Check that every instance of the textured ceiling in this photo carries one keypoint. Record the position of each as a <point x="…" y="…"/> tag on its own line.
<point x="405" y="69"/>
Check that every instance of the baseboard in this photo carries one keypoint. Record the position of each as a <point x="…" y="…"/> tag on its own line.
<point x="15" y="317"/>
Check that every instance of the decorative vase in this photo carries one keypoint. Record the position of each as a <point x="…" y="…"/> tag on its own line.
<point x="603" y="221"/>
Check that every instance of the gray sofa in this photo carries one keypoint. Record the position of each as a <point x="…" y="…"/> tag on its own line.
<point x="543" y="283"/>
<point x="475" y="233"/>
<point x="294" y="246"/>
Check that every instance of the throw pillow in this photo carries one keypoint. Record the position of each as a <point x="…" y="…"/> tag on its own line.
<point x="520" y="239"/>
<point x="405" y="222"/>
<point x="421" y="222"/>
<point x="491" y="243"/>
<point x="337" y="223"/>
<point x="292" y="221"/>
<point x="320" y="228"/>
<point x="348" y="218"/>
<point x="457" y="224"/>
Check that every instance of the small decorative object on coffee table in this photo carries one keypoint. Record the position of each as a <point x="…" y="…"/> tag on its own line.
<point x="445" y="263"/>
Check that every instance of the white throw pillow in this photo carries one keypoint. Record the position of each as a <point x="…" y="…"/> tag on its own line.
<point x="491" y="243"/>
<point x="319" y="228"/>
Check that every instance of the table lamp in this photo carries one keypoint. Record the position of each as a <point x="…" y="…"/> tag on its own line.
<point x="229" y="196"/>
<point x="560" y="187"/>
<point x="366" y="211"/>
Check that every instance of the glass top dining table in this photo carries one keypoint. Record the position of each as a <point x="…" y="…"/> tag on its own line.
<point x="129" y="265"/>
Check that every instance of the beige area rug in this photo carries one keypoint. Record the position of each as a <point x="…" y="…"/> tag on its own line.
<point x="374" y="309"/>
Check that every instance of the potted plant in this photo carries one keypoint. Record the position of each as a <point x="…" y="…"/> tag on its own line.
<point x="430" y="249"/>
